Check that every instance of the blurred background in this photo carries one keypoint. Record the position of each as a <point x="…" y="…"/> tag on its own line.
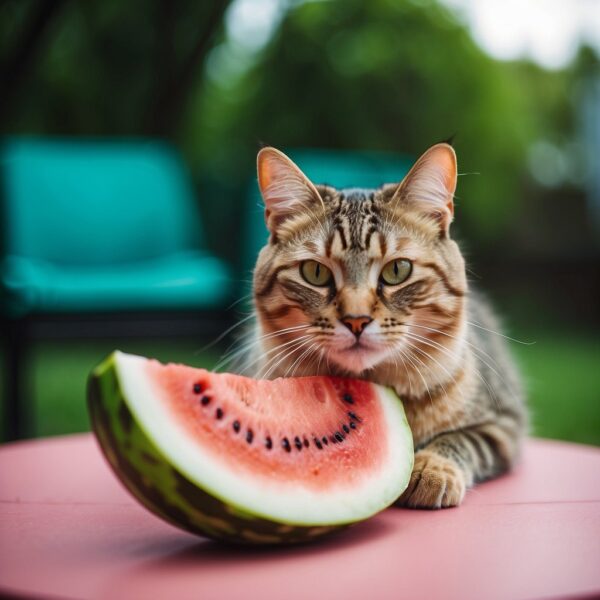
<point x="194" y="88"/>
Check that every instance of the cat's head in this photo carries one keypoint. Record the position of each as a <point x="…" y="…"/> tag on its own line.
<point x="353" y="279"/>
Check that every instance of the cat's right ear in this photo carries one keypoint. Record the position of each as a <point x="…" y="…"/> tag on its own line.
<point x="284" y="187"/>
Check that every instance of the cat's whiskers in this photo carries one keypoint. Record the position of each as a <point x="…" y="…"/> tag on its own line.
<point x="478" y="353"/>
<point x="294" y="346"/>
<point x="410" y="352"/>
<point x="255" y="341"/>
<point x="427" y="355"/>
<point x="454" y="420"/>
<point x="245" y="367"/>
<point x="454" y="356"/>
<point x="280" y="332"/>
<point x="321" y="352"/>
<point x="266" y="353"/>
<point x="463" y="339"/>
<point x="265" y="370"/>
<point x="409" y="358"/>
<point x="393" y="358"/>
<point x="225" y="333"/>
<point x="506" y="337"/>
<point x="298" y="362"/>
<point x="243" y="297"/>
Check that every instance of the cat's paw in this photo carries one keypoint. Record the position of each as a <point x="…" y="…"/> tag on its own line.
<point x="436" y="482"/>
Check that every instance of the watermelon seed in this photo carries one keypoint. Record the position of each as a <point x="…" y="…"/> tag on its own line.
<point x="249" y="436"/>
<point x="306" y="443"/>
<point x="352" y="425"/>
<point x="197" y="388"/>
<point x="236" y="426"/>
<point x="219" y="413"/>
<point x="318" y="444"/>
<point x="324" y="440"/>
<point x="345" y="428"/>
<point x="353" y="416"/>
<point x="333" y="439"/>
<point x="205" y="400"/>
<point x="286" y="444"/>
<point x="339" y="437"/>
<point x="269" y="443"/>
<point x="348" y="399"/>
<point x="298" y="443"/>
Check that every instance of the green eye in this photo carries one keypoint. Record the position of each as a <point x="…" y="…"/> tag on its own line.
<point x="315" y="273"/>
<point x="396" y="271"/>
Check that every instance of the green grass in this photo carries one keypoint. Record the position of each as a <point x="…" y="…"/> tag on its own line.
<point x="60" y="375"/>
<point x="562" y="372"/>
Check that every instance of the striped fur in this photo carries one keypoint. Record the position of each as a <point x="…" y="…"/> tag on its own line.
<point x="430" y="336"/>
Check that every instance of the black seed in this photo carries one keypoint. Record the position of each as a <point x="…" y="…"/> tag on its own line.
<point x="354" y="416"/>
<point x="205" y="400"/>
<point x="324" y="440"/>
<point x="306" y="443"/>
<point x="249" y="436"/>
<point x="197" y="388"/>
<point x="268" y="443"/>
<point x="339" y="437"/>
<point x="236" y="426"/>
<point x="333" y="439"/>
<point x="298" y="443"/>
<point x="318" y="444"/>
<point x="348" y="399"/>
<point x="286" y="444"/>
<point x="219" y="413"/>
<point x="345" y="428"/>
<point x="352" y="425"/>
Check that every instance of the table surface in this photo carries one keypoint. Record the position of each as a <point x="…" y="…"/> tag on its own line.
<point x="68" y="529"/>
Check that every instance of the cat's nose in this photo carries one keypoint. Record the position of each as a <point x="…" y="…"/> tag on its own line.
<point x="356" y="324"/>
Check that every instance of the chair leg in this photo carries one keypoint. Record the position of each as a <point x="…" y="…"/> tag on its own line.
<point x="16" y="401"/>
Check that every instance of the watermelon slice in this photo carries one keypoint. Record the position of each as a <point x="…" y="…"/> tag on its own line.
<point x="248" y="460"/>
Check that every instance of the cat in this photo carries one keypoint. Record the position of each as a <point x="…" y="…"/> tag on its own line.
<point x="370" y="284"/>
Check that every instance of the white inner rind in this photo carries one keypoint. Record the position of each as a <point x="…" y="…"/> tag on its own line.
<point x="277" y="502"/>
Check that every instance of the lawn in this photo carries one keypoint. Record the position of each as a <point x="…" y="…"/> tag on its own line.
<point x="562" y="373"/>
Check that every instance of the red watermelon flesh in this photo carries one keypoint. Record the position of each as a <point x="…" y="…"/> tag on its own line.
<point x="317" y="432"/>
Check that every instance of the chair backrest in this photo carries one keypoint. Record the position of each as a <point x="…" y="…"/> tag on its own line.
<point x="341" y="169"/>
<point x="89" y="202"/>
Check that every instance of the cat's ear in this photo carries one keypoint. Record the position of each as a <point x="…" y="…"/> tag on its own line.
<point x="429" y="186"/>
<point x="284" y="187"/>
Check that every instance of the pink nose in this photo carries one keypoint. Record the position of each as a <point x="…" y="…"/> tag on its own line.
<point x="356" y="324"/>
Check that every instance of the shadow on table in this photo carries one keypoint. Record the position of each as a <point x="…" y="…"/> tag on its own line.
<point x="209" y="566"/>
<point x="210" y="551"/>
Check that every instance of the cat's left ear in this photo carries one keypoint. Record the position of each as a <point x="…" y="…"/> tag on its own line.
<point x="429" y="186"/>
<point x="284" y="187"/>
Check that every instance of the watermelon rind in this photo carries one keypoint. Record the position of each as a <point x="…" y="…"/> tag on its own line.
<point x="164" y="468"/>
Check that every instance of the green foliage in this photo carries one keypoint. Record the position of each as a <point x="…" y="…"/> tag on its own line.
<point x="385" y="75"/>
<point x="104" y="68"/>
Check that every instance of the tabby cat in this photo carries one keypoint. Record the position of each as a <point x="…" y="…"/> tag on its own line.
<point x="369" y="284"/>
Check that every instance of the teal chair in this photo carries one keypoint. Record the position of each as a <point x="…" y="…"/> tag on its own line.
<point x="99" y="238"/>
<point x="341" y="169"/>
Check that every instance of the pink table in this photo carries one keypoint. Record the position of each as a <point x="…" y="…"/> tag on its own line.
<point x="68" y="530"/>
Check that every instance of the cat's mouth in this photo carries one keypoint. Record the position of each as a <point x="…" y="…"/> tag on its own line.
<point x="357" y="357"/>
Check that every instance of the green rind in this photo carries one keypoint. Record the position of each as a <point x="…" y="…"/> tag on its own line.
<point x="165" y="490"/>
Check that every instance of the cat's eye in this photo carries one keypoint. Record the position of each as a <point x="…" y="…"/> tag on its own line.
<point x="315" y="273"/>
<point x="396" y="271"/>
